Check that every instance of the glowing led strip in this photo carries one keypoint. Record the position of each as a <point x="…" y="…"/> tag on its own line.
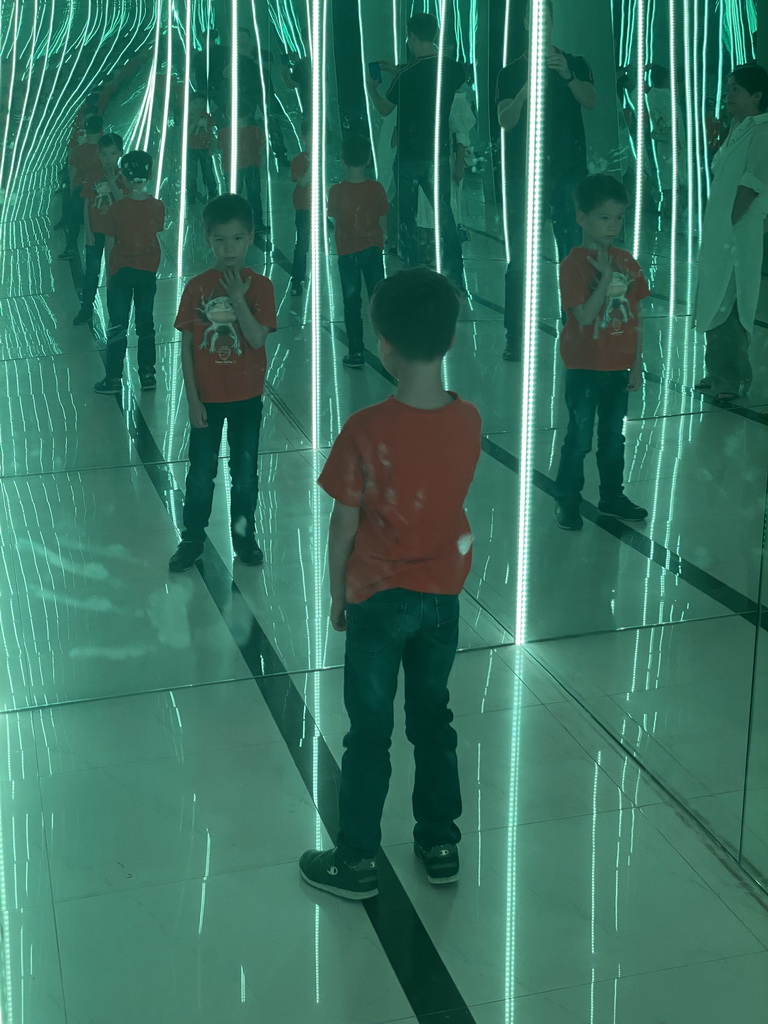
<point x="317" y="234"/>
<point x="234" y="97"/>
<point x="640" y="119"/>
<point x="536" y="114"/>
<point x="166" y="107"/>
<point x="364" y="71"/>
<point x="184" y="142"/>
<point x="437" y="141"/>
<point x="504" y="144"/>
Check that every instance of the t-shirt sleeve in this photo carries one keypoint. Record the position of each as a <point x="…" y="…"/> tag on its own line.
<point x="187" y="315"/>
<point x="299" y="167"/>
<point x="510" y="81"/>
<point x="642" y="291"/>
<point x="333" y="210"/>
<point x="576" y="277"/>
<point x="382" y="203"/>
<point x="261" y="302"/>
<point x="393" y="92"/>
<point x="342" y="475"/>
<point x="161" y="215"/>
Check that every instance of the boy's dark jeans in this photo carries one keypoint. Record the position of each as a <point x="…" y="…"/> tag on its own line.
<point x="420" y="631"/>
<point x="127" y="286"/>
<point x="249" y="181"/>
<point x="303" y="230"/>
<point x="92" y="270"/>
<point x="243" y="427"/>
<point x="200" y="158"/>
<point x="73" y="216"/>
<point x="589" y="393"/>
<point x="353" y="268"/>
<point x="409" y="175"/>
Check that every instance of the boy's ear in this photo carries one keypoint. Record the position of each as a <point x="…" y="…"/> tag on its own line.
<point x="580" y="218"/>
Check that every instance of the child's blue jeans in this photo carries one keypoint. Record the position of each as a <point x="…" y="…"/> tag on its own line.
<point x="419" y="631"/>
<point x="353" y="268"/>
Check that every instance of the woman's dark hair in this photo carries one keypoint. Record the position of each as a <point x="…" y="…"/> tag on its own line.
<point x="416" y="312"/>
<point x="597" y="189"/>
<point x="94" y="124"/>
<point x="111" y="139"/>
<point x="423" y="26"/>
<point x="754" y="79"/>
<point x="136" y="164"/>
<point x="226" y="208"/>
<point x="356" y="151"/>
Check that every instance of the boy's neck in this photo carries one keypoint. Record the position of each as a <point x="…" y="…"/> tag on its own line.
<point x="137" y="193"/>
<point x="222" y="266"/>
<point x="421" y="386"/>
<point x="355" y="174"/>
<point x="588" y="242"/>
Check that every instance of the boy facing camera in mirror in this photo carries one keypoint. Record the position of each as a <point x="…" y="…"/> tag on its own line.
<point x="601" y="288"/>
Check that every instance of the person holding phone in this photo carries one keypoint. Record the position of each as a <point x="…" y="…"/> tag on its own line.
<point x="569" y="89"/>
<point x="414" y="92"/>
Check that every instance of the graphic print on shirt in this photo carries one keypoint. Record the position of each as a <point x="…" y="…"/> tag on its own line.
<point x="220" y="336"/>
<point x="617" y="310"/>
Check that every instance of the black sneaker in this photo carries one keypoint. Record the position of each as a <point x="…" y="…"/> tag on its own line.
<point x="248" y="551"/>
<point x="148" y="381"/>
<point x="185" y="556"/>
<point x="68" y="254"/>
<point x="512" y="353"/>
<point x="327" y="871"/>
<point x="83" y="317"/>
<point x="623" y="508"/>
<point x="108" y="386"/>
<point x="297" y="287"/>
<point x="567" y="516"/>
<point x="355" y="359"/>
<point x="441" y="862"/>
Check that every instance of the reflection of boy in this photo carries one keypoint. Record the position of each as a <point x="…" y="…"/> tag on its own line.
<point x="359" y="207"/>
<point x="301" y="173"/>
<point x="199" y="143"/>
<point x="225" y="315"/>
<point x="601" y="288"/>
<point x="399" y="551"/>
<point x="250" y="153"/>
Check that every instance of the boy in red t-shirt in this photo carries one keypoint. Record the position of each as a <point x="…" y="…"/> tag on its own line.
<point x="359" y="207"/>
<point x="98" y="195"/>
<point x="199" y="143"/>
<point x="250" y="152"/>
<point x="131" y="226"/>
<point x="399" y="552"/>
<point x="225" y="316"/>
<point x="84" y="166"/>
<point x="601" y="288"/>
<point x="301" y="173"/>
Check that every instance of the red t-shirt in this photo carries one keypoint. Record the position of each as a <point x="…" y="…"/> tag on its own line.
<point x="302" y="196"/>
<point x="227" y="369"/>
<point x="200" y="133"/>
<point x="134" y="224"/>
<point x="250" y="146"/>
<point x="408" y="471"/>
<point x="610" y="343"/>
<point x="87" y="163"/>
<point x="100" y="198"/>
<point x="356" y="206"/>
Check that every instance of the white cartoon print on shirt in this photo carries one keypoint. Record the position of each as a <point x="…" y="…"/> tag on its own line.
<point x="617" y="311"/>
<point x="220" y="337"/>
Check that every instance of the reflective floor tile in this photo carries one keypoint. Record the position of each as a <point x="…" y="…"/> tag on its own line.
<point x="33" y="986"/>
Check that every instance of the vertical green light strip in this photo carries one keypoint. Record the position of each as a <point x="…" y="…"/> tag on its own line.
<point x="234" y="98"/>
<point x="167" y="103"/>
<point x="264" y="93"/>
<point x="364" y="72"/>
<point x="395" y="30"/>
<point x="505" y="144"/>
<point x="437" y="140"/>
<point x="640" y="124"/>
<point x="5" y="149"/>
<point x="184" y="139"/>
<point x="317" y="48"/>
<point x="150" y="94"/>
<point x="536" y="114"/>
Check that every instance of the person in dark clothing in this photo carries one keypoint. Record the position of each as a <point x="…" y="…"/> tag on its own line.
<point x="414" y="92"/>
<point x="208" y="66"/>
<point x="569" y="87"/>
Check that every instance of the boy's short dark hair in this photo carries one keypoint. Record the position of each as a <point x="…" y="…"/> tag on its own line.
<point x="94" y="124"/>
<point x="423" y="26"/>
<point x="597" y="189"/>
<point x="226" y="208"/>
<point x="356" y="151"/>
<point x="136" y="164"/>
<point x="754" y="79"/>
<point x="111" y="139"/>
<point x="416" y="312"/>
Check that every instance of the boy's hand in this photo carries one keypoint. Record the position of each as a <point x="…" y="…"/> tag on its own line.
<point x="602" y="262"/>
<point x="387" y="66"/>
<point x="635" y="379"/>
<point x="235" y="285"/>
<point x="338" y="615"/>
<point x="198" y="417"/>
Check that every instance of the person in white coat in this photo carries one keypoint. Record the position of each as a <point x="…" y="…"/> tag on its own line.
<point x="732" y="240"/>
